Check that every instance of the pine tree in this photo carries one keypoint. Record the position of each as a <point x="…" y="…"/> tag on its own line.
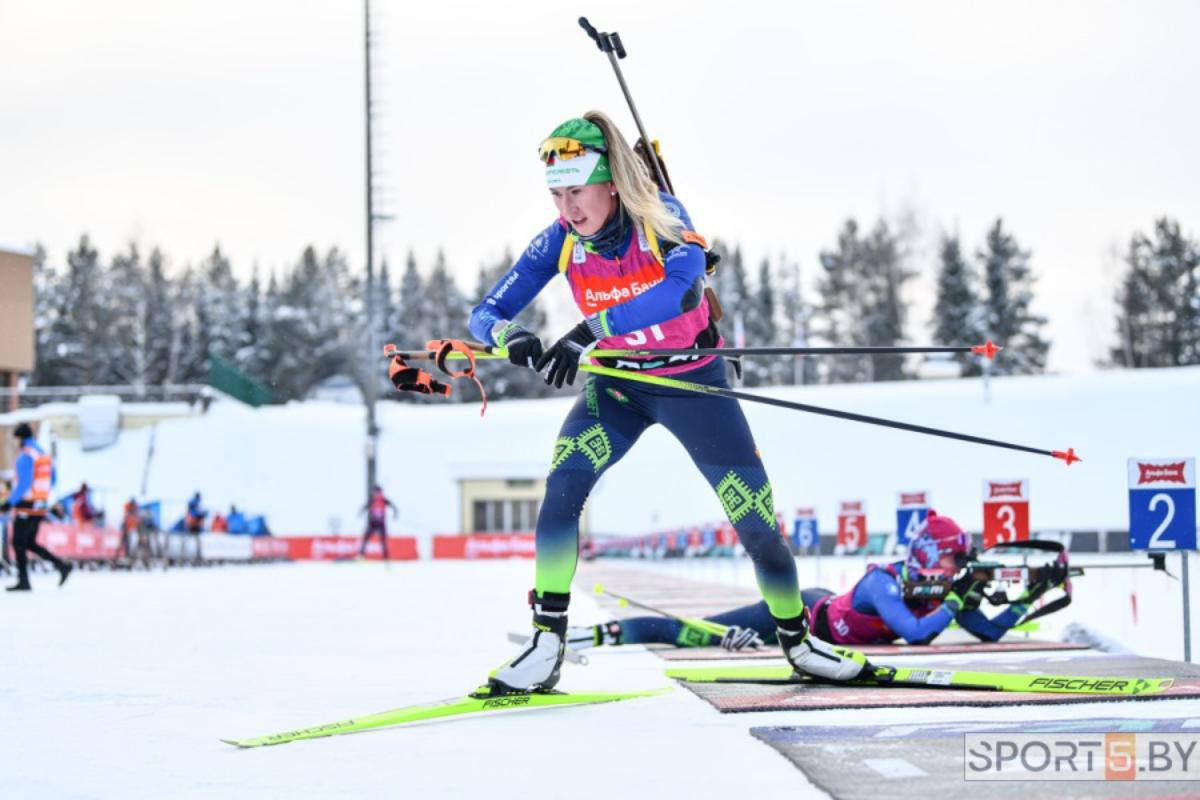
<point x="249" y="356"/>
<point x="187" y="355"/>
<point x="862" y="302"/>
<point x="129" y="353"/>
<point x="732" y="293"/>
<point x="219" y="310"/>
<point x="797" y="322"/>
<point x="78" y="327"/>
<point x="1158" y="318"/>
<point x="48" y="307"/>
<point x="274" y="357"/>
<point x="446" y="307"/>
<point x="337" y="318"/>
<point x="385" y="304"/>
<point x="298" y="323"/>
<point x="160" y="318"/>
<point x="412" y="326"/>
<point x="884" y="311"/>
<point x="761" y="329"/>
<point x="835" y="316"/>
<point x="956" y="313"/>
<point x="1008" y="318"/>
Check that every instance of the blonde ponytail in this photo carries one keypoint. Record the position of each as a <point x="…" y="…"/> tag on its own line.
<point x="636" y="190"/>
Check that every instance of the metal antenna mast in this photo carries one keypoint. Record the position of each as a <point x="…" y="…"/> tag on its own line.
<point x="369" y="383"/>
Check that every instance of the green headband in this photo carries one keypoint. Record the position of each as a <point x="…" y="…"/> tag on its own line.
<point x="591" y="167"/>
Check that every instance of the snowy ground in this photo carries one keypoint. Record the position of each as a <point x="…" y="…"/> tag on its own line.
<point x="119" y="685"/>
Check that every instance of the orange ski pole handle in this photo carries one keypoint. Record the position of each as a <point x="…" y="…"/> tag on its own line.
<point x="443" y="348"/>
<point x="407" y="378"/>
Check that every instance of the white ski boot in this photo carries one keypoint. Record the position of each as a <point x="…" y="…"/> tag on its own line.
<point x="809" y="655"/>
<point x="536" y="667"/>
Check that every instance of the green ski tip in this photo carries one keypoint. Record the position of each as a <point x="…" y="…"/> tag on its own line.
<point x="451" y="707"/>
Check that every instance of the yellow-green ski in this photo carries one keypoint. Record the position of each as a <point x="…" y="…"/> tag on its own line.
<point x="885" y="676"/>
<point x="451" y="707"/>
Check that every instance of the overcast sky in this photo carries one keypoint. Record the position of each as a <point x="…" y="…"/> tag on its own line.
<point x="187" y="123"/>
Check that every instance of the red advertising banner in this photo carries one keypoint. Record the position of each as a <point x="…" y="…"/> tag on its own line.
<point x="79" y="541"/>
<point x="333" y="548"/>
<point x="484" y="545"/>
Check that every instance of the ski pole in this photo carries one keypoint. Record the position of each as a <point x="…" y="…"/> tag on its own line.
<point x="484" y="351"/>
<point x="1068" y="455"/>
<point x="987" y="350"/>
<point x="707" y="626"/>
<point x="610" y="45"/>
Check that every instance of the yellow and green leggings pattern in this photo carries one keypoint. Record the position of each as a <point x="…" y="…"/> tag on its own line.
<point x="605" y="422"/>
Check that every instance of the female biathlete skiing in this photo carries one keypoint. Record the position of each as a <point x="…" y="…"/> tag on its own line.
<point x="636" y="270"/>
<point x="886" y="604"/>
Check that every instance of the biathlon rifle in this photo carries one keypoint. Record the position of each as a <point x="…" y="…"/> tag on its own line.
<point x="1009" y="574"/>
<point x="646" y="148"/>
<point x="650" y="153"/>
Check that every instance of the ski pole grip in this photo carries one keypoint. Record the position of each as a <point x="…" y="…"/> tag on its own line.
<point x="592" y="32"/>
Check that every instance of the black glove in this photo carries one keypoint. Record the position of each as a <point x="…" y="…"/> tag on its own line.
<point x="1043" y="580"/>
<point x="5" y="506"/>
<point x="966" y="593"/>
<point x="560" y="363"/>
<point x="524" y="349"/>
<point x="736" y="638"/>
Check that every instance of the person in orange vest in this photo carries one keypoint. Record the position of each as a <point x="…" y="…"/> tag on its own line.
<point x="29" y="500"/>
<point x="81" y="506"/>
<point x="131" y="520"/>
<point x="377" y="509"/>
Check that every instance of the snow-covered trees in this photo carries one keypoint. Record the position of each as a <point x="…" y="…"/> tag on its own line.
<point x="862" y="302"/>
<point x="145" y="321"/>
<point x="1008" y="318"/>
<point x="957" y="309"/>
<point x="1158" y="302"/>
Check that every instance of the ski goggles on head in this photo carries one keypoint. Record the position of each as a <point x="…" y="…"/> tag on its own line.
<point x="561" y="148"/>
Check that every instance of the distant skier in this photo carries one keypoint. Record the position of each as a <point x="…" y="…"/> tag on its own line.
<point x="196" y="514"/>
<point x="81" y="506"/>
<point x="194" y="524"/>
<point x="30" y="498"/>
<point x="879" y="609"/>
<point x="377" y="510"/>
<point x="636" y="269"/>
